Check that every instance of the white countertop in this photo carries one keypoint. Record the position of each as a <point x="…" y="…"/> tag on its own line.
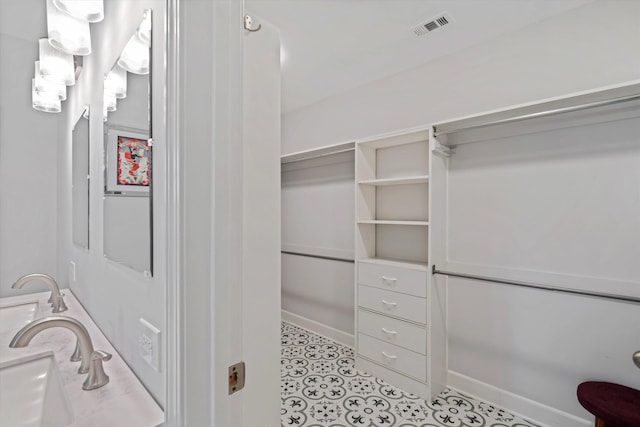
<point x="122" y="402"/>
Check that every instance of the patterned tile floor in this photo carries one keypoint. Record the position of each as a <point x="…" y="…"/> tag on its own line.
<point x="321" y="388"/>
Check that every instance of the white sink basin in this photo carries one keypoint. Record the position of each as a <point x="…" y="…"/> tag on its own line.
<point x="31" y="394"/>
<point x="14" y="317"/>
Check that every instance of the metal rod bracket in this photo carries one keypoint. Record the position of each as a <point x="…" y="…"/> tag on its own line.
<point x="248" y="23"/>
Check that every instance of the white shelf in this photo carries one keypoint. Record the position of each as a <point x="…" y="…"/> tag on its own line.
<point x="396" y="181"/>
<point x="422" y="266"/>
<point x="390" y="222"/>
<point x="317" y="152"/>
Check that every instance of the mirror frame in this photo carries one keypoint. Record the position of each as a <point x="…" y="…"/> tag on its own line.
<point x="139" y="134"/>
<point x="84" y="115"/>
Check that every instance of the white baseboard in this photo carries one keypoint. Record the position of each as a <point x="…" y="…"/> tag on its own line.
<point x="523" y="407"/>
<point x="319" y="328"/>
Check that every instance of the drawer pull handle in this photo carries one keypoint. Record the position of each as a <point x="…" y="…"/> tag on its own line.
<point x="389" y="304"/>
<point x="389" y="280"/>
<point x="388" y="332"/>
<point x="389" y="356"/>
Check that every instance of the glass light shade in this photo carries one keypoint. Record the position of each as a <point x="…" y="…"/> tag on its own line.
<point x="56" y="66"/>
<point x="144" y="29"/>
<point x="48" y="88"/>
<point x="88" y="10"/>
<point x="110" y="102"/>
<point x="66" y="33"/>
<point x="116" y="82"/>
<point x="41" y="102"/>
<point x="135" y="56"/>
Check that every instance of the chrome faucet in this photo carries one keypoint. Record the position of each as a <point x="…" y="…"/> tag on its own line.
<point x="91" y="359"/>
<point x="55" y="299"/>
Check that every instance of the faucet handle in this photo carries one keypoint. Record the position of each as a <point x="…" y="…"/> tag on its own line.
<point x="101" y="355"/>
<point x="97" y="377"/>
<point x="53" y="295"/>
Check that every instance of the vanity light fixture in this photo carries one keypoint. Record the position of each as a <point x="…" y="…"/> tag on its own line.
<point x="135" y="56"/>
<point x="88" y="10"/>
<point x="67" y="33"/>
<point x="115" y="82"/>
<point x="110" y="102"/>
<point x="144" y="29"/>
<point x="47" y="88"/>
<point x="42" y="102"/>
<point x="56" y="66"/>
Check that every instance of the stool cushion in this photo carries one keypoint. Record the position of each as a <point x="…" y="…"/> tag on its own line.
<point x="616" y="405"/>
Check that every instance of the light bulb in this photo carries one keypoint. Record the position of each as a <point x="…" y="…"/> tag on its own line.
<point x="53" y="89"/>
<point x="110" y="102"/>
<point x="88" y="10"/>
<point x="144" y="29"/>
<point x="67" y="33"/>
<point x="56" y="66"/>
<point x="135" y="56"/>
<point x="41" y="102"/>
<point x="115" y="82"/>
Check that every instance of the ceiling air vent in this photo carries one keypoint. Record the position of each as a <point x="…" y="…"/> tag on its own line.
<point x="432" y="24"/>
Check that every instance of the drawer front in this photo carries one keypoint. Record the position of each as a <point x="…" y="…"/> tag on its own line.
<point x="393" y="331"/>
<point x="391" y="356"/>
<point x="413" y="282"/>
<point x="393" y="303"/>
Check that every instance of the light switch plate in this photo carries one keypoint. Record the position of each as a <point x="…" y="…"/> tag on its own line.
<point x="149" y="344"/>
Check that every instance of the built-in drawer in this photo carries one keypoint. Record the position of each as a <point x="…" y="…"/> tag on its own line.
<point x="393" y="303"/>
<point x="405" y="280"/>
<point x="393" y="331"/>
<point x="391" y="356"/>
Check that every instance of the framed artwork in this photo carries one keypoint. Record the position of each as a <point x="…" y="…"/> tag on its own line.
<point x="128" y="162"/>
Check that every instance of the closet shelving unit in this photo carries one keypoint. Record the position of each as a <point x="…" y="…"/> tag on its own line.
<point x="393" y="327"/>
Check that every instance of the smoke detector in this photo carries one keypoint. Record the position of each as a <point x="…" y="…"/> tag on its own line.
<point x="432" y="24"/>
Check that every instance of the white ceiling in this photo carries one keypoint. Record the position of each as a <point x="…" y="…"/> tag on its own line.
<point x="331" y="46"/>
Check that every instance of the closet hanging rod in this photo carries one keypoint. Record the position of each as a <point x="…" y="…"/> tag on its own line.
<point x="532" y="285"/>
<point x="315" y="156"/>
<point x="443" y="130"/>
<point x="318" y="256"/>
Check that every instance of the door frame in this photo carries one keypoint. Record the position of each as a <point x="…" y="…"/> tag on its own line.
<point x="204" y="210"/>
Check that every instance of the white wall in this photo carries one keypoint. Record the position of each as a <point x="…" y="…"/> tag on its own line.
<point x="574" y="51"/>
<point x="115" y="296"/>
<point x="560" y="207"/>
<point x="28" y="167"/>
<point x="319" y="290"/>
<point x="509" y="345"/>
<point x="568" y="53"/>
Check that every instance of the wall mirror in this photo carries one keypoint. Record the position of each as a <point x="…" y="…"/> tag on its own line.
<point x="80" y="180"/>
<point x="128" y="190"/>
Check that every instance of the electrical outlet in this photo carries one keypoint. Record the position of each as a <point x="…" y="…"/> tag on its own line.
<point x="72" y="271"/>
<point x="149" y="344"/>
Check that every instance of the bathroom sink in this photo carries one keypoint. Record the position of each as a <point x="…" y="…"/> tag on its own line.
<point x="15" y="316"/>
<point x="32" y="395"/>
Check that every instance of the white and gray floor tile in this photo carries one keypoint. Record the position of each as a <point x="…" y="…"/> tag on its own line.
<point x="321" y="388"/>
